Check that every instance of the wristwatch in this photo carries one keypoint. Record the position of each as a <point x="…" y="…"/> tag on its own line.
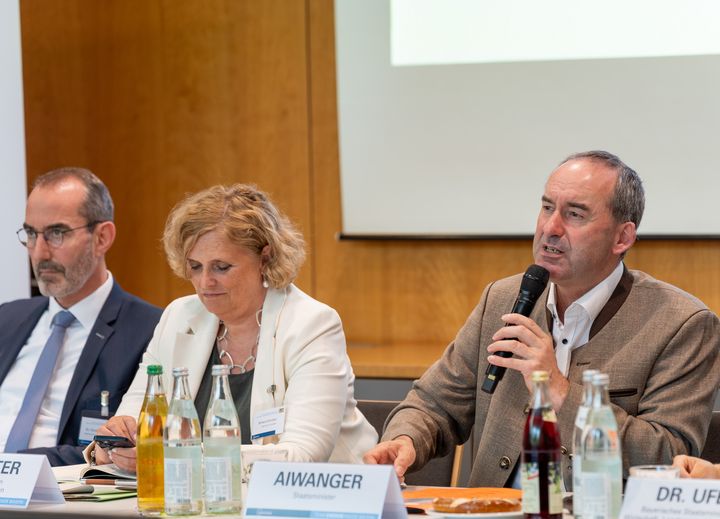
<point x="91" y="455"/>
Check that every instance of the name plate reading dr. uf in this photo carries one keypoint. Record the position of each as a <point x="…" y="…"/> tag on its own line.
<point x="324" y="491"/>
<point x="648" y="498"/>
<point x="25" y="478"/>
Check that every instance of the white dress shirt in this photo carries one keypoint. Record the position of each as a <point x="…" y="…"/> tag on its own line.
<point x="579" y="316"/>
<point x="15" y="385"/>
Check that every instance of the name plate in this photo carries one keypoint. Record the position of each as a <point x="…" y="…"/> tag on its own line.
<point x="647" y="498"/>
<point x="324" y="491"/>
<point x="25" y="478"/>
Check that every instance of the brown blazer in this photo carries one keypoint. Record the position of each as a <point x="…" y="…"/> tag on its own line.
<point x="658" y="344"/>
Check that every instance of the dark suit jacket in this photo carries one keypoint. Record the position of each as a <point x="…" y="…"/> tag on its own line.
<point x="108" y="361"/>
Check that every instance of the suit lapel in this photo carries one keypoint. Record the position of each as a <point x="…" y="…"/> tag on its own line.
<point x="597" y="355"/>
<point x="193" y="347"/>
<point x="13" y="338"/>
<point x="99" y="335"/>
<point x="265" y="365"/>
<point x="618" y="297"/>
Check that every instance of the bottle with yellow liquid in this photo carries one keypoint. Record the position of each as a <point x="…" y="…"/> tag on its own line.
<point x="150" y="461"/>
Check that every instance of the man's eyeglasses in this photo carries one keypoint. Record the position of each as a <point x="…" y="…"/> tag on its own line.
<point x="54" y="236"/>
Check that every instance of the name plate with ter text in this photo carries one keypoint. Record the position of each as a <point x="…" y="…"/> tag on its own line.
<point x="649" y="498"/>
<point x="324" y="491"/>
<point x="25" y="478"/>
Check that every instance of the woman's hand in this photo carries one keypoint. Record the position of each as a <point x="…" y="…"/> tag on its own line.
<point x="692" y="467"/>
<point x="124" y="458"/>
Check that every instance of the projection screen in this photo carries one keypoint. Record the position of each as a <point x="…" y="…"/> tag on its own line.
<point x="453" y="112"/>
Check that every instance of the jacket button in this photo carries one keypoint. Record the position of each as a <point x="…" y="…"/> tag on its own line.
<point x="563" y="450"/>
<point x="505" y="463"/>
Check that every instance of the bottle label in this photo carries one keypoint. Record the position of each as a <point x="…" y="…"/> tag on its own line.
<point x="577" y="485"/>
<point x="596" y="495"/>
<point x="218" y="479"/>
<point x="178" y="481"/>
<point x="555" y="488"/>
<point x="530" y="479"/>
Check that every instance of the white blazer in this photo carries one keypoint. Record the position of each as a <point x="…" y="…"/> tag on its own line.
<point x="301" y="364"/>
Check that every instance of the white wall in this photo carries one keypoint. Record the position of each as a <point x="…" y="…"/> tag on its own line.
<point x="14" y="267"/>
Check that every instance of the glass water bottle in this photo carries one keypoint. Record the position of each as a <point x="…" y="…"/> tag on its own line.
<point x="222" y="443"/>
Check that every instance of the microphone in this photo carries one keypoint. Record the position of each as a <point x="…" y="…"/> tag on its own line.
<point x="533" y="283"/>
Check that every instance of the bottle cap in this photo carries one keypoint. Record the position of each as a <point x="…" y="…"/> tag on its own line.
<point x="155" y="369"/>
<point x="179" y="372"/>
<point x="588" y="374"/>
<point x="540" y="376"/>
<point x="220" y="369"/>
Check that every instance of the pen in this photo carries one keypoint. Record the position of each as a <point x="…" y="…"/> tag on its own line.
<point x="104" y="403"/>
<point x="129" y="483"/>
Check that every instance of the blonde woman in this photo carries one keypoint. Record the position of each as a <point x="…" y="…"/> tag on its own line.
<point x="285" y="348"/>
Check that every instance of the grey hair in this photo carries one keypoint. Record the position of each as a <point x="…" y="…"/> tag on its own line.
<point x="628" y="201"/>
<point x="98" y="205"/>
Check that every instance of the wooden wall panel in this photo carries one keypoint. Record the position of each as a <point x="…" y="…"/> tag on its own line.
<point x="693" y="265"/>
<point x="162" y="98"/>
<point x="165" y="97"/>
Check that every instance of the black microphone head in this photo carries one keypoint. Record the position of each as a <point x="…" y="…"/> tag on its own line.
<point x="532" y="285"/>
<point x="534" y="281"/>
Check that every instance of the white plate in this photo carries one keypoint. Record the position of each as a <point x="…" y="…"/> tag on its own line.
<point x="491" y="515"/>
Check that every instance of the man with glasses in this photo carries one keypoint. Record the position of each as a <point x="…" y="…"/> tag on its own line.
<point x="84" y="336"/>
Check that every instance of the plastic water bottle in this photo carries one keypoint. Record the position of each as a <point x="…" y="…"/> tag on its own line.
<point x="580" y="421"/>
<point x="150" y="480"/>
<point x="541" y="459"/>
<point x="222" y="443"/>
<point x="601" y="457"/>
<point x="183" y="451"/>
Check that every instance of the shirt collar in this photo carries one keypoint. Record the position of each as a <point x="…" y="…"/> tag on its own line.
<point x="86" y="310"/>
<point x="594" y="299"/>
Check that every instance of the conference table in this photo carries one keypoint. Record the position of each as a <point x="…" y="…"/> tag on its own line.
<point x="86" y="510"/>
<point x="128" y="507"/>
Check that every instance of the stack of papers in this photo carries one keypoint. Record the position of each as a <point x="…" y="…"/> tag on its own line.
<point x="100" y="483"/>
<point x="107" y="472"/>
<point x="76" y="491"/>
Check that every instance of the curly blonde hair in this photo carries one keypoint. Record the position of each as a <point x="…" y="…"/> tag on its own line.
<point x="247" y="217"/>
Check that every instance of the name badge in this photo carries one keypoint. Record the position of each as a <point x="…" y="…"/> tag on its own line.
<point x="324" y="491"/>
<point x="25" y="478"/>
<point x="268" y="423"/>
<point x="647" y="498"/>
<point x="90" y="421"/>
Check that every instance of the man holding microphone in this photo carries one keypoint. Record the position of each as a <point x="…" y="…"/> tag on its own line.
<point x="658" y="344"/>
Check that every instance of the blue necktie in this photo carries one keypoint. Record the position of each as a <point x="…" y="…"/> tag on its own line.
<point x="21" y="431"/>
